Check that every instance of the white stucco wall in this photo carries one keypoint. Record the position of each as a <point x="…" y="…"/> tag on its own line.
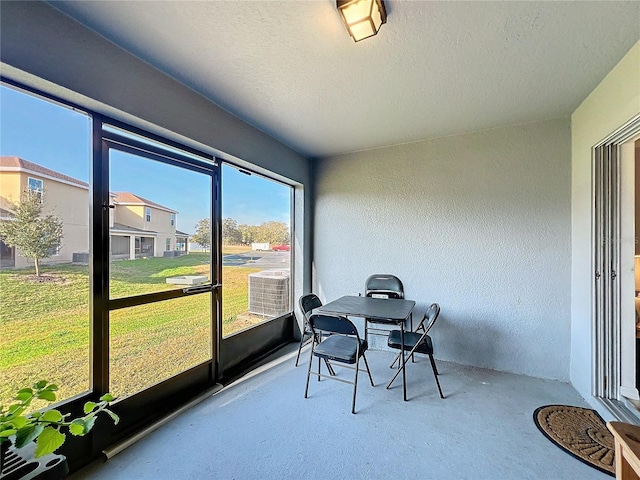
<point x="611" y="104"/>
<point x="479" y="223"/>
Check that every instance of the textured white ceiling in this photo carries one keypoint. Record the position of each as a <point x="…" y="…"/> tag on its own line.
<point x="436" y="68"/>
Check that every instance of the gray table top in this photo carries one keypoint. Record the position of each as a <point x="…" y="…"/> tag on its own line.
<point x="394" y="309"/>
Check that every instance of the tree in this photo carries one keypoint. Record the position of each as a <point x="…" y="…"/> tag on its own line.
<point x="32" y="232"/>
<point x="247" y="234"/>
<point x="203" y="233"/>
<point x="230" y="233"/>
<point x="275" y="233"/>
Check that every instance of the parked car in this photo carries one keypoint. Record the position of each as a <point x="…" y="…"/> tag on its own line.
<point x="281" y="248"/>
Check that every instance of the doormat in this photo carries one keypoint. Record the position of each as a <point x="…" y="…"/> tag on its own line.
<point x="580" y="432"/>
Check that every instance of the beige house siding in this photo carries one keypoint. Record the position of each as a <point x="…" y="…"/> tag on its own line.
<point x="67" y="201"/>
<point x="130" y="215"/>
<point x="159" y="226"/>
<point x="9" y="188"/>
<point x="160" y="222"/>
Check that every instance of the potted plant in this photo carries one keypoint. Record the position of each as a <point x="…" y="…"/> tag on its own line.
<point x="41" y="433"/>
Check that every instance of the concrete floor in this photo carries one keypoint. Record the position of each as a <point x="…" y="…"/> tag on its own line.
<point x="262" y="428"/>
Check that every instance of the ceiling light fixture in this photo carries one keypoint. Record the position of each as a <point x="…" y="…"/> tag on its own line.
<point x="362" y="18"/>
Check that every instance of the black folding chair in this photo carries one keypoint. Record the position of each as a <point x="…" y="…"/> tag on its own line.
<point x="381" y="285"/>
<point x="416" y="342"/>
<point x="430" y="317"/>
<point x="307" y="303"/>
<point x="343" y="345"/>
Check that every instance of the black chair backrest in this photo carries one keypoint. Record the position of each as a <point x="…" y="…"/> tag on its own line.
<point x="333" y="324"/>
<point x="430" y="317"/>
<point x="308" y="302"/>
<point x="383" y="284"/>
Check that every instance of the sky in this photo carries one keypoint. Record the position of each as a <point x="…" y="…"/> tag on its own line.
<point x="59" y="138"/>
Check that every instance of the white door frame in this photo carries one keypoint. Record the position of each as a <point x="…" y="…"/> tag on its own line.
<point x="613" y="249"/>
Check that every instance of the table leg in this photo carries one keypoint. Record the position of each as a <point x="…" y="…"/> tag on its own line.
<point x="402" y="359"/>
<point x="413" y="360"/>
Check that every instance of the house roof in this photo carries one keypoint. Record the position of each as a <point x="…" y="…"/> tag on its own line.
<point x="128" y="198"/>
<point x="11" y="163"/>
<point x="121" y="228"/>
<point x="181" y="234"/>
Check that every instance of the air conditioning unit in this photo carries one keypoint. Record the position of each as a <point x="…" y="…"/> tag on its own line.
<point x="269" y="293"/>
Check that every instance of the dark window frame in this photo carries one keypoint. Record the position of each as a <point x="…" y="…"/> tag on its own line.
<point x="168" y="395"/>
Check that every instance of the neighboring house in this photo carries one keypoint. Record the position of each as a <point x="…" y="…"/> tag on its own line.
<point x="182" y="241"/>
<point x="142" y="228"/>
<point x="138" y="227"/>
<point x="63" y="196"/>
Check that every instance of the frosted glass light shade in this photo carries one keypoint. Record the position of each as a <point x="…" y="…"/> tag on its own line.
<point x="362" y="18"/>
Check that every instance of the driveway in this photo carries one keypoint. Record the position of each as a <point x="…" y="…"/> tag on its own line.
<point x="264" y="260"/>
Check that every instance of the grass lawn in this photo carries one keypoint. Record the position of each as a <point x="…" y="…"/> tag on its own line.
<point x="45" y="326"/>
<point x="235" y="249"/>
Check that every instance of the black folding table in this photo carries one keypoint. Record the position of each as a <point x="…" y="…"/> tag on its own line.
<point x="379" y="310"/>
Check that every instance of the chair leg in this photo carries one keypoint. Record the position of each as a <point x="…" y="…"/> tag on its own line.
<point x="300" y="348"/>
<point x="366" y="364"/>
<point x="398" y="358"/>
<point x="395" y="375"/>
<point x="306" y="388"/>
<point x="355" y="388"/>
<point x="330" y="368"/>
<point x="317" y="340"/>
<point x="435" y="374"/>
<point x="395" y="360"/>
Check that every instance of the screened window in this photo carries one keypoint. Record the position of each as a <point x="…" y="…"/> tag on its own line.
<point x="148" y="214"/>
<point x="45" y="315"/>
<point x="256" y="252"/>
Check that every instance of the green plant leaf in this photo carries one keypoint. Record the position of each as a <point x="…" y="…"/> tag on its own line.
<point x="89" y="406"/>
<point x="27" y="434"/>
<point x="40" y="385"/>
<point x="19" y="422"/>
<point x="115" y="417"/>
<point x="107" y="397"/>
<point x="47" y="395"/>
<point x="77" y="427"/>
<point x="24" y="394"/>
<point x="8" y="432"/>
<point x="88" y="424"/>
<point x="51" y="416"/>
<point x="49" y="441"/>
<point x="53" y="387"/>
<point x="15" y="409"/>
